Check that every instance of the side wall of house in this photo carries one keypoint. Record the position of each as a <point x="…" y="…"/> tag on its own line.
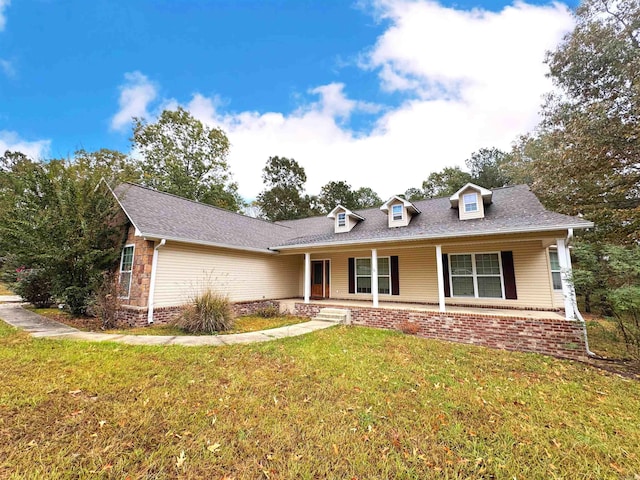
<point x="184" y="270"/>
<point x="419" y="283"/>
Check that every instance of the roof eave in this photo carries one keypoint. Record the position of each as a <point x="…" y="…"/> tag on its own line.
<point x="156" y="236"/>
<point x="430" y="237"/>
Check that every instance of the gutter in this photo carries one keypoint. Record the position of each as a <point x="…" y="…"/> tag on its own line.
<point x="152" y="285"/>
<point x="151" y="236"/>
<point x="575" y="301"/>
<point x="428" y="237"/>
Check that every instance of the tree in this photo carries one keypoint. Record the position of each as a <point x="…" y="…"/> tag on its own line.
<point x="446" y="182"/>
<point x="283" y="197"/>
<point x="584" y="158"/>
<point x="413" y="194"/>
<point x="62" y="222"/>
<point x="487" y="168"/>
<point x="182" y="156"/>
<point x="337" y="193"/>
<point x="367" y="198"/>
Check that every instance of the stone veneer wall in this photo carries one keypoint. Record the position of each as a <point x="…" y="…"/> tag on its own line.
<point x="141" y="272"/>
<point x="559" y="338"/>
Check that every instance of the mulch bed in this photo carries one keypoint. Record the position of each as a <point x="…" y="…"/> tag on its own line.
<point x="88" y="324"/>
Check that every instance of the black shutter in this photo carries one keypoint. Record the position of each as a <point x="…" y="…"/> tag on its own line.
<point x="445" y="274"/>
<point x="509" y="274"/>
<point x="352" y="275"/>
<point x="395" y="276"/>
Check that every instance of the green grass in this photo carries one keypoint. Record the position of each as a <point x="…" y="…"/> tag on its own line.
<point x="4" y="290"/>
<point x="604" y="338"/>
<point x="344" y="402"/>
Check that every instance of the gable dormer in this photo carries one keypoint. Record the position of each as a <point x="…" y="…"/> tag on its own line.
<point x="344" y="218"/>
<point x="399" y="211"/>
<point x="471" y="201"/>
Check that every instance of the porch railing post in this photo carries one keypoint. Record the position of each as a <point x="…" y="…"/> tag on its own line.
<point x="374" y="276"/>
<point x="307" y="277"/>
<point x="440" y="271"/>
<point x="565" y="276"/>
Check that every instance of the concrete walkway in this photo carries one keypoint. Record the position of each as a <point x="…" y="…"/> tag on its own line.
<point x="39" y="326"/>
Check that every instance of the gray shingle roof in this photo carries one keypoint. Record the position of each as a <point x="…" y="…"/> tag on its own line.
<point x="161" y="215"/>
<point x="514" y="209"/>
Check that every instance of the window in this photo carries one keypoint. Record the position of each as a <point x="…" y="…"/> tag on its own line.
<point x="363" y="275"/>
<point x="476" y="275"/>
<point x="470" y="201"/>
<point x="126" y="267"/>
<point x="342" y="219"/>
<point x="396" y="211"/>
<point x="555" y="269"/>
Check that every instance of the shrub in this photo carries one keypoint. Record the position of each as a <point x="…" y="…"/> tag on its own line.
<point x="626" y="307"/>
<point x="105" y="302"/>
<point x="410" y="328"/>
<point x="209" y="312"/>
<point x="34" y="286"/>
<point x="270" y="311"/>
<point x="77" y="299"/>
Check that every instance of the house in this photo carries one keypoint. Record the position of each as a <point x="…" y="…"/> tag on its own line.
<point x="488" y="267"/>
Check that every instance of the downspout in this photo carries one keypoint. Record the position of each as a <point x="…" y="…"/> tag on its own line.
<point x="152" y="285"/>
<point x="574" y="299"/>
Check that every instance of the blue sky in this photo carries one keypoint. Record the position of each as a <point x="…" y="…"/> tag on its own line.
<point x="378" y="93"/>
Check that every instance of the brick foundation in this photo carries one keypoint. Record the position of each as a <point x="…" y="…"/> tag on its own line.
<point x="132" y="316"/>
<point x="558" y="338"/>
<point x="249" y="308"/>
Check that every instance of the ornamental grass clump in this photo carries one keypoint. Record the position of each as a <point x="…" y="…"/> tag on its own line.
<point x="208" y="312"/>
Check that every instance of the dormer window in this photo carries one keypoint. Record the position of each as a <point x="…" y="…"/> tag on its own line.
<point x="470" y="201"/>
<point x="344" y="219"/>
<point x="397" y="212"/>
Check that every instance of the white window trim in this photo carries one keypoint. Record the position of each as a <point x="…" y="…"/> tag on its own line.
<point x="467" y="204"/>
<point x="133" y="256"/>
<point x="342" y="219"/>
<point x="393" y="213"/>
<point x="552" y="270"/>
<point x="355" y="267"/>
<point x="476" y="275"/>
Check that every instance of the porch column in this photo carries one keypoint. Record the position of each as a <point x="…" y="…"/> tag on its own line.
<point x="565" y="272"/>
<point x="374" y="276"/>
<point x="440" y="272"/>
<point x="307" y="277"/>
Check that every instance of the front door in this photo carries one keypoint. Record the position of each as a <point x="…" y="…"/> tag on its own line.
<point x="320" y="275"/>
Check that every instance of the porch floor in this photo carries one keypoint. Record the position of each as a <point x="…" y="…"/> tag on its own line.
<point x="420" y="307"/>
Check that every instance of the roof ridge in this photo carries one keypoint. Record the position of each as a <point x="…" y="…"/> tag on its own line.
<point x="204" y="204"/>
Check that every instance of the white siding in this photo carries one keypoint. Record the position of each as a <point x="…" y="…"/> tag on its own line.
<point x="419" y="282"/>
<point x="184" y="270"/>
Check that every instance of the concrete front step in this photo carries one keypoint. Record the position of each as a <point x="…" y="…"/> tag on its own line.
<point x="335" y="315"/>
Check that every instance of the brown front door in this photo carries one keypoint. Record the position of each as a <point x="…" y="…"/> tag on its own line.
<point x="320" y="275"/>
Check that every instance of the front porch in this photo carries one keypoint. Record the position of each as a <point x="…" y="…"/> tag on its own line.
<point x="545" y="332"/>
<point x="289" y="305"/>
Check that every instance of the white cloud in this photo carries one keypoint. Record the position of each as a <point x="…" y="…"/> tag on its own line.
<point x="472" y="79"/>
<point x="35" y="150"/>
<point x="7" y="68"/>
<point x="3" y="18"/>
<point x="135" y="95"/>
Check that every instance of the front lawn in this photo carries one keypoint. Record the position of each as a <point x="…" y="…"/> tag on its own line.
<point x="344" y="402"/>
<point x="4" y="290"/>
